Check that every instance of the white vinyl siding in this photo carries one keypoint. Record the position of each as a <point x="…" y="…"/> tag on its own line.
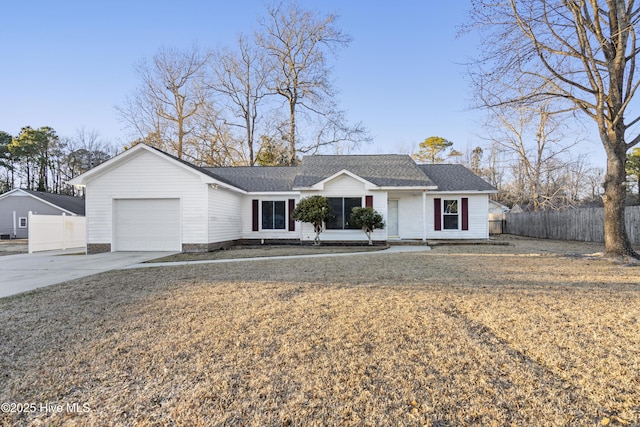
<point x="146" y="225"/>
<point x="409" y="215"/>
<point x="246" y="212"/>
<point x="478" y="217"/>
<point x="225" y="215"/>
<point x="343" y="186"/>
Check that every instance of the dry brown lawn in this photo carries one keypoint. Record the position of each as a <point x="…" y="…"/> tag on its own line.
<point x="535" y="333"/>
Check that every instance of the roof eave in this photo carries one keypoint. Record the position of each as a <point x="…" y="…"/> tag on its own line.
<point x="465" y="191"/>
<point x="275" y="192"/>
<point x="409" y="188"/>
<point x="214" y="184"/>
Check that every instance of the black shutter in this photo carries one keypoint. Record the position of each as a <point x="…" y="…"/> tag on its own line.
<point x="254" y="215"/>
<point x="292" y="223"/>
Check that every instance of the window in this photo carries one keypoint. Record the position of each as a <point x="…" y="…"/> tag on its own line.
<point x="22" y="222"/>
<point x="450" y="215"/>
<point x="273" y="215"/>
<point x="342" y="207"/>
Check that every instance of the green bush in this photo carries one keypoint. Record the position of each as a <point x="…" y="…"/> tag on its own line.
<point x="367" y="219"/>
<point x="314" y="210"/>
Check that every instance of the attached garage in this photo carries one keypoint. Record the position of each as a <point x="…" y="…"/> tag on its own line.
<point x="146" y="225"/>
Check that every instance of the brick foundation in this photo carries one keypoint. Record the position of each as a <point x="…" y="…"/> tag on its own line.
<point x="98" y="248"/>
<point x="195" y="247"/>
<point x="207" y="247"/>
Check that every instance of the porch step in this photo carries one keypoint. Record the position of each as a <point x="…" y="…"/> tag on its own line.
<point x="407" y="243"/>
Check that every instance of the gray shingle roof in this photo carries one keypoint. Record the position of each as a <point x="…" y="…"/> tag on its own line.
<point x="389" y="170"/>
<point x="69" y="203"/>
<point x="455" y="178"/>
<point x="256" y="178"/>
<point x="384" y="170"/>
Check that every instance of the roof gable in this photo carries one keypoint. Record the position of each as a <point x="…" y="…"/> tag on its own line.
<point x="344" y="172"/>
<point x="139" y="149"/>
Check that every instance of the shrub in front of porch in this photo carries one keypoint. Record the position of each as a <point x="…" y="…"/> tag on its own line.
<point x="367" y="219"/>
<point x="314" y="210"/>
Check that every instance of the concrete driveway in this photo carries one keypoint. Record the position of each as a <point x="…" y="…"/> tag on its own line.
<point x="24" y="272"/>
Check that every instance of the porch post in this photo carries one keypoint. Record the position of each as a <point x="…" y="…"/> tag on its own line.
<point x="424" y="216"/>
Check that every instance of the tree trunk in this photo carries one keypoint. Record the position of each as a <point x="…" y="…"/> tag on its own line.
<point x="616" y="240"/>
<point x="318" y="230"/>
<point x="249" y="127"/>
<point x="292" y="133"/>
<point x="180" y="148"/>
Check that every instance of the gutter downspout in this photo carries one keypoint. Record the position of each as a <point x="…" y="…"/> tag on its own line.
<point x="15" y="229"/>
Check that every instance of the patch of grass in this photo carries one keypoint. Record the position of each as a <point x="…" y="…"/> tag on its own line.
<point x="460" y="335"/>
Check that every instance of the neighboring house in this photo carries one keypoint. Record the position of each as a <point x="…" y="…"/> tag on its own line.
<point x="145" y="199"/>
<point x="16" y="204"/>
<point x="497" y="213"/>
<point x="497" y="210"/>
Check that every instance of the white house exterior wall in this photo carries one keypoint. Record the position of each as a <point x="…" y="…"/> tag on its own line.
<point x="225" y="217"/>
<point x="247" y="217"/>
<point x="478" y="224"/>
<point x="380" y="205"/>
<point x="146" y="176"/>
<point x="343" y="186"/>
<point x="409" y="215"/>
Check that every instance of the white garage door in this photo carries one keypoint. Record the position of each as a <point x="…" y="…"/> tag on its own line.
<point x="147" y="225"/>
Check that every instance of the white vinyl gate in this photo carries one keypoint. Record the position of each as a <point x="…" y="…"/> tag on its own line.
<point x="52" y="232"/>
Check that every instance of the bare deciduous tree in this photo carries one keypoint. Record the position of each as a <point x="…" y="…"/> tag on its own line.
<point x="299" y="43"/>
<point x="240" y="77"/>
<point x="533" y="136"/>
<point x="171" y="94"/>
<point x="579" y="52"/>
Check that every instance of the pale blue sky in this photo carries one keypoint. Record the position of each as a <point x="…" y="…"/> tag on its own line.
<point x="67" y="64"/>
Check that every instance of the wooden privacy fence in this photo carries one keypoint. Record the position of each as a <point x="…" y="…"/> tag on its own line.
<point x="50" y="232"/>
<point x="583" y="224"/>
<point x="496" y="223"/>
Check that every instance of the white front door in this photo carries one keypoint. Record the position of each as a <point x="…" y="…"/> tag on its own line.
<point x="392" y="219"/>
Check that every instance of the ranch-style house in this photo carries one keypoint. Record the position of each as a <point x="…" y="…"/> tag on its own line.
<point x="147" y="200"/>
